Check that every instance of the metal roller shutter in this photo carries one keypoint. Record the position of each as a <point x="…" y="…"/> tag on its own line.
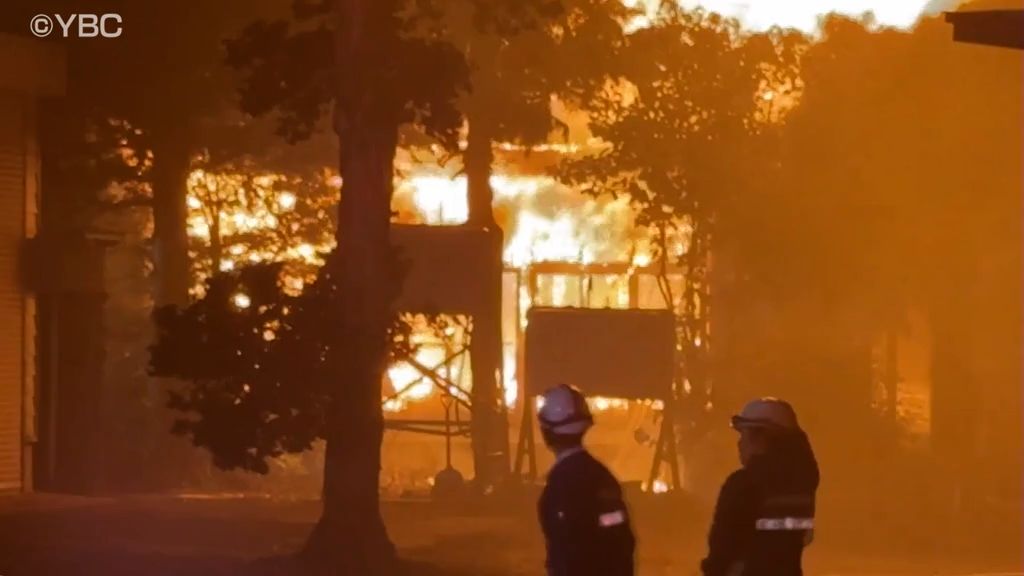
<point x="12" y="233"/>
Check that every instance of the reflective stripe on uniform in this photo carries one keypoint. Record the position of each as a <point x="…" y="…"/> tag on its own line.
<point x="611" y="519"/>
<point x="785" y="524"/>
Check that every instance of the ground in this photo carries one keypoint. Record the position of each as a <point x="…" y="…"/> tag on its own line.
<point x="224" y="535"/>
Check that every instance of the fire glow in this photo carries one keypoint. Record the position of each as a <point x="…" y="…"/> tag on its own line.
<point x="544" y="221"/>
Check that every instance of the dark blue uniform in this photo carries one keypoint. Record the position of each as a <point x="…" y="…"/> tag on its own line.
<point x="585" y="521"/>
<point x="765" y="514"/>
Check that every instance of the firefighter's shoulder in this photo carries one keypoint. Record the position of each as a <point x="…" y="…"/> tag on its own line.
<point x="601" y="476"/>
<point x="739" y="482"/>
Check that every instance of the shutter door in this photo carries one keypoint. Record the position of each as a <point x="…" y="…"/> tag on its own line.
<point x="12" y="232"/>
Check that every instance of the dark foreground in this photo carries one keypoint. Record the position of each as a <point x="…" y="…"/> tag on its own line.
<point x="165" y="536"/>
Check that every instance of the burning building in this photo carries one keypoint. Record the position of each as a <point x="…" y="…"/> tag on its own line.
<point x="561" y="249"/>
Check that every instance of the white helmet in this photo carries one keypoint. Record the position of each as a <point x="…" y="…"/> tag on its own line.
<point x="770" y="413"/>
<point x="564" y="411"/>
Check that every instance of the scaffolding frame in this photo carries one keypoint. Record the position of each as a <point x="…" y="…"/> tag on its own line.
<point x="447" y="269"/>
<point x="440" y="282"/>
<point x="452" y="396"/>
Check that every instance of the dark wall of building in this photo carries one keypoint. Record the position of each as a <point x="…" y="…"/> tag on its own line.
<point x="71" y="415"/>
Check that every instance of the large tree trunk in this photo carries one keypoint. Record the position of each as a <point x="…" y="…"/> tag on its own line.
<point x="170" y="174"/>
<point x="179" y="464"/>
<point x="490" y="420"/>
<point x="350" y="537"/>
<point x="477" y="159"/>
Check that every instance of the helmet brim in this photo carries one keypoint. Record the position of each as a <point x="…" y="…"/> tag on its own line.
<point x="575" y="425"/>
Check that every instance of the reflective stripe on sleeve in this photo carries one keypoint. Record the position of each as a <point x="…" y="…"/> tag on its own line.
<point x="611" y="519"/>
<point x="785" y="524"/>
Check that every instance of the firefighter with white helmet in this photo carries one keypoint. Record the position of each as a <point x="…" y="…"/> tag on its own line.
<point x="765" y="512"/>
<point x="582" y="512"/>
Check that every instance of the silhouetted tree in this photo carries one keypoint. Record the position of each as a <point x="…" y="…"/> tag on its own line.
<point x="518" y="56"/>
<point x="516" y="67"/>
<point x="117" y="151"/>
<point x="689" y="136"/>
<point x="256" y="358"/>
<point x="147" y="99"/>
<point x="379" y="78"/>
<point x="243" y="214"/>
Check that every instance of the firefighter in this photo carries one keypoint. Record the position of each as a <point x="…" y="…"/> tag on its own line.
<point x="765" y="512"/>
<point x="582" y="512"/>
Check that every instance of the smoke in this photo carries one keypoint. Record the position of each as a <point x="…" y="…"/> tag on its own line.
<point x="760" y="15"/>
